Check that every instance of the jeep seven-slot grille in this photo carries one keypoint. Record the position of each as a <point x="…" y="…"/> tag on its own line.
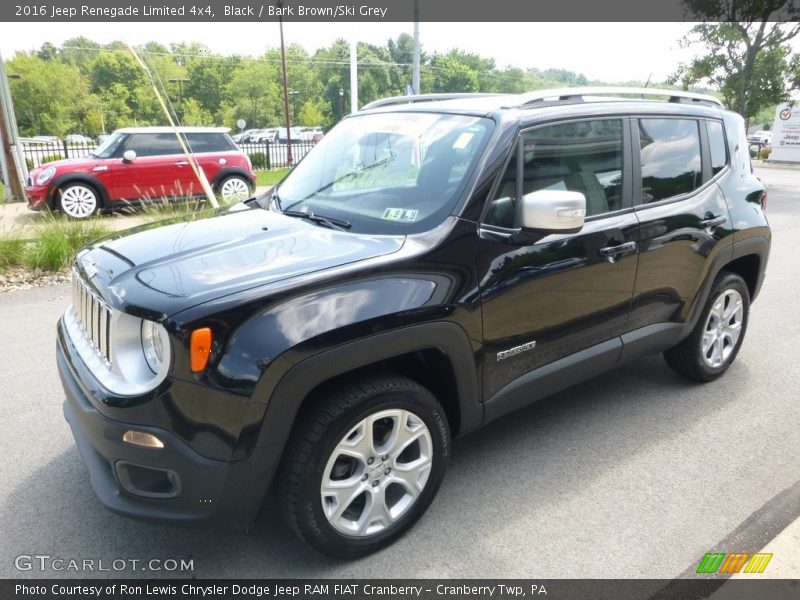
<point x="94" y="315"/>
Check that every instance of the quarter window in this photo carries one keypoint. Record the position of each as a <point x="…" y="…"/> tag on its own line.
<point x="209" y="142"/>
<point x="583" y="156"/>
<point x="670" y="155"/>
<point x="716" y="143"/>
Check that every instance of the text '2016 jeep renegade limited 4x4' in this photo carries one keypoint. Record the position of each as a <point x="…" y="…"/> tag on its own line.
<point x="428" y="267"/>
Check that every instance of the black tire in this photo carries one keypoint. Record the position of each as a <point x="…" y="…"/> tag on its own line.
<point x="313" y="449"/>
<point x="688" y="357"/>
<point x="78" y="200"/>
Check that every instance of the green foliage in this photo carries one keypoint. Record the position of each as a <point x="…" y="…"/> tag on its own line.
<point x="259" y="160"/>
<point x="310" y="115"/>
<point x="55" y="243"/>
<point x="85" y="87"/>
<point x="748" y="59"/>
<point x="12" y="251"/>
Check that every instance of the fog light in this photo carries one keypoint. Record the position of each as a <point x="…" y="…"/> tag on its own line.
<point x="139" y="438"/>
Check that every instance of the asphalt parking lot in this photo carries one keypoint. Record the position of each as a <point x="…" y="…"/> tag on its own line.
<point x="636" y="473"/>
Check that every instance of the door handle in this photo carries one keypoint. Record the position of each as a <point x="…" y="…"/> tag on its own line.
<point x="618" y="249"/>
<point x="182" y="163"/>
<point x="713" y="222"/>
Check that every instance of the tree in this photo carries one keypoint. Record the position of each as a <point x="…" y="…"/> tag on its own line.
<point x="310" y="115"/>
<point x="746" y="58"/>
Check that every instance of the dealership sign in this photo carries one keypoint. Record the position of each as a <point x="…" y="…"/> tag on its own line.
<point x="786" y="133"/>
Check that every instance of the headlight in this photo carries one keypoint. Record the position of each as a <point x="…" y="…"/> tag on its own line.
<point x="154" y="344"/>
<point x="45" y="175"/>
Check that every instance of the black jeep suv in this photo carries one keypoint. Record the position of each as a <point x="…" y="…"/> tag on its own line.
<point x="428" y="267"/>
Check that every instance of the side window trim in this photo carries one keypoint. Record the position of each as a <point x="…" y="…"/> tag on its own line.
<point x="628" y="181"/>
<point x="705" y="153"/>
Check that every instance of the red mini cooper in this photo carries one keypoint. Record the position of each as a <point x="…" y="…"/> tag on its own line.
<point x="139" y="164"/>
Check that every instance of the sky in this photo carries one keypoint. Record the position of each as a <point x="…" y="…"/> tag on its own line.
<point x="612" y="52"/>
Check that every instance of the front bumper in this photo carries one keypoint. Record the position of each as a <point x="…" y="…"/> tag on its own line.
<point x="37" y="196"/>
<point x="173" y="484"/>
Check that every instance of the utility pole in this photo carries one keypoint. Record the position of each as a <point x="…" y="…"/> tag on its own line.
<point x="415" y="80"/>
<point x="353" y="74"/>
<point x="289" y="157"/>
<point x="14" y="173"/>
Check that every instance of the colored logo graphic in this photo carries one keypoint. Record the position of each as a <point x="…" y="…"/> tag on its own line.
<point x="716" y="562"/>
<point x="786" y="113"/>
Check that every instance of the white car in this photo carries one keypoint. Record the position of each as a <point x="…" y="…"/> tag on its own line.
<point x="762" y="137"/>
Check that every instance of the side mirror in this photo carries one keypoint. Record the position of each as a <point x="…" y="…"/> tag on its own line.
<point x="557" y="211"/>
<point x="129" y="156"/>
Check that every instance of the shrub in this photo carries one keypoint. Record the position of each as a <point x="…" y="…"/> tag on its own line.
<point x="12" y="251"/>
<point x="259" y="160"/>
<point x="54" y="244"/>
<point x="765" y="152"/>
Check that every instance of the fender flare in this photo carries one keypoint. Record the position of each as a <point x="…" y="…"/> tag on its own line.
<point x="299" y="380"/>
<point x="67" y="178"/>
<point x="755" y="246"/>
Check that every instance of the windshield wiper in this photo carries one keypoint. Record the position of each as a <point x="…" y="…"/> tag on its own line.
<point x="329" y="222"/>
<point x="276" y="198"/>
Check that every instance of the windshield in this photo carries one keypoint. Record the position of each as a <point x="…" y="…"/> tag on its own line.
<point x="109" y="147"/>
<point x="387" y="173"/>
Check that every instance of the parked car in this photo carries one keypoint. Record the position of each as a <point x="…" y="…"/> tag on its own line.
<point x="139" y="164"/>
<point x="431" y="265"/>
<point x="264" y="136"/>
<point x="244" y="136"/>
<point x="75" y="138"/>
<point x="761" y="137"/>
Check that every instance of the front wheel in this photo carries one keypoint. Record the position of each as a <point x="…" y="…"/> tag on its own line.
<point x="78" y="201"/>
<point x="364" y="465"/>
<point x="715" y="341"/>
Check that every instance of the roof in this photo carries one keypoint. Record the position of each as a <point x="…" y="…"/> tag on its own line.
<point x="164" y="129"/>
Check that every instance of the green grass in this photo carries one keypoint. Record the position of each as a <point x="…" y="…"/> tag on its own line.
<point x="12" y="251"/>
<point x="56" y="242"/>
<point x="270" y="177"/>
<point x="52" y="245"/>
<point x="2" y="192"/>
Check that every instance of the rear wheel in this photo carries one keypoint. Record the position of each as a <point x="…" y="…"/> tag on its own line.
<point x="234" y="189"/>
<point x="715" y="341"/>
<point x="364" y="465"/>
<point x="78" y="200"/>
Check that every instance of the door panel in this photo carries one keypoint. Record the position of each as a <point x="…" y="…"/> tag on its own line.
<point x="675" y="251"/>
<point x="687" y="225"/>
<point x="548" y="296"/>
<point x="559" y="292"/>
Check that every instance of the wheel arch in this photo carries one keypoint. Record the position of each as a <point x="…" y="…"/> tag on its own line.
<point x="228" y="172"/>
<point x="441" y="345"/>
<point x="68" y="178"/>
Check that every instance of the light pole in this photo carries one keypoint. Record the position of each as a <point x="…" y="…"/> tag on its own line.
<point x="289" y="157"/>
<point x="294" y="94"/>
<point x="180" y="82"/>
<point x="341" y="103"/>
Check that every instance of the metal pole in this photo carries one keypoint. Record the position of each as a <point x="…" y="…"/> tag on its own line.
<point x="415" y="76"/>
<point x="353" y="74"/>
<point x="289" y="157"/>
<point x="14" y="159"/>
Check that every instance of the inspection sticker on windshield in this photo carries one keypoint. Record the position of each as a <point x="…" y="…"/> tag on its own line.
<point x="400" y="214"/>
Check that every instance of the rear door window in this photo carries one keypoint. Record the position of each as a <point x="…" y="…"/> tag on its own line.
<point x="670" y="158"/>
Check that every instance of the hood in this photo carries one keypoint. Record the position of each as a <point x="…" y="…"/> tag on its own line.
<point x="69" y="163"/>
<point x="169" y="266"/>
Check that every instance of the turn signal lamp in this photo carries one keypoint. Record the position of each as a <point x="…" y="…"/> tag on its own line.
<point x="200" y="348"/>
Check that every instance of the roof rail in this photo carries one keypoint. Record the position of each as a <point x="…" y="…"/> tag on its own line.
<point x="578" y="92"/>
<point x="422" y="98"/>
